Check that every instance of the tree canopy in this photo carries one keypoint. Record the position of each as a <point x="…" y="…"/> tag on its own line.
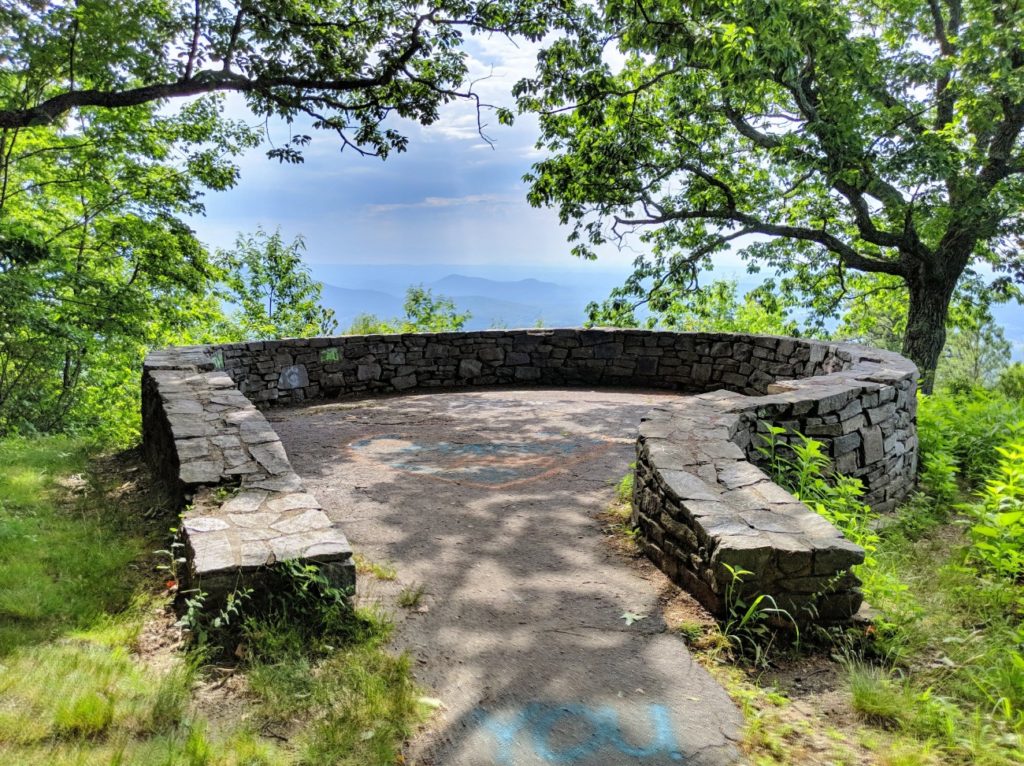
<point x="349" y="65"/>
<point x="819" y="137"/>
<point x="96" y="262"/>
<point x="112" y="128"/>
<point x="274" y="294"/>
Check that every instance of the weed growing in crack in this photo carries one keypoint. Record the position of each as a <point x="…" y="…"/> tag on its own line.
<point x="379" y="570"/>
<point x="752" y="624"/>
<point x="411" y="596"/>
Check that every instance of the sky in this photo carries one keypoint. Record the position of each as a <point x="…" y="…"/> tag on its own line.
<point x="451" y="198"/>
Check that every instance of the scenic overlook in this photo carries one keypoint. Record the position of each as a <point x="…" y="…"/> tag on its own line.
<point x="511" y="382"/>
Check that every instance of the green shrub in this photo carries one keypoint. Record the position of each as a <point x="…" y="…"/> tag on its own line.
<point x="806" y="471"/>
<point x="966" y="429"/>
<point x="801" y="466"/>
<point x="1011" y="382"/>
<point x="997" y="528"/>
<point x="296" y="612"/>
<point x="938" y="464"/>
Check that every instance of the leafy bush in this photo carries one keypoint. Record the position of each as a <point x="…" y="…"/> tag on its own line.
<point x="965" y="430"/>
<point x="296" y="611"/>
<point x="997" y="529"/>
<point x="752" y="621"/>
<point x="799" y="464"/>
<point x="807" y="472"/>
<point x="1011" y="382"/>
<point x="938" y="464"/>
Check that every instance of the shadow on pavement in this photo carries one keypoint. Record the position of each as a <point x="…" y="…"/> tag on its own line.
<point x="488" y="499"/>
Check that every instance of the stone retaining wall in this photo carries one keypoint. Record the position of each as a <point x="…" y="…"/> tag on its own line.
<point x="859" y="401"/>
<point x="246" y="508"/>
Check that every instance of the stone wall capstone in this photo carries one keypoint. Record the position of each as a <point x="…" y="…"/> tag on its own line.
<point x="202" y="431"/>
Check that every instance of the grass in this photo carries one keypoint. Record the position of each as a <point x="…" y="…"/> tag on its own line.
<point x="80" y="682"/>
<point x="381" y="571"/>
<point x="411" y="596"/>
<point x="84" y="689"/>
<point x="56" y="547"/>
<point x="361" y="699"/>
<point x="937" y="680"/>
<point x="948" y="653"/>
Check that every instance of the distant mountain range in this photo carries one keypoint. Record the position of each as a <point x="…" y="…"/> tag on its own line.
<point x="491" y="303"/>
<point x="502" y="296"/>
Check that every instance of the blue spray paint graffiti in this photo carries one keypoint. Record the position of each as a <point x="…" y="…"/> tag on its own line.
<point x="533" y="727"/>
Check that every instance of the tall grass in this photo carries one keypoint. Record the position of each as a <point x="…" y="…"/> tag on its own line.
<point x="77" y="584"/>
<point x="944" y="661"/>
<point x="64" y="560"/>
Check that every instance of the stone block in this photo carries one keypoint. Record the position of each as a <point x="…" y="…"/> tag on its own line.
<point x="190" y="449"/>
<point x="882" y="413"/>
<point x="470" y="368"/>
<point x="491" y="354"/>
<point x="403" y="382"/>
<point x="371" y="371"/>
<point x="750" y="552"/>
<point x="845" y="443"/>
<point x="608" y="351"/>
<point x="872" y="448"/>
<point x="201" y="471"/>
<point x="271" y="456"/>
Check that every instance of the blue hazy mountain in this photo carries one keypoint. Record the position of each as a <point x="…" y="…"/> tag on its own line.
<point x="517" y="296"/>
<point x="492" y="302"/>
<point x="348" y="303"/>
<point x="538" y="292"/>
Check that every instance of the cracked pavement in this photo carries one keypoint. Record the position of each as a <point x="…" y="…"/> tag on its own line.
<point x="488" y="499"/>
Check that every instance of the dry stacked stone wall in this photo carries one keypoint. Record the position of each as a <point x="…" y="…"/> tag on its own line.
<point x="700" y="501"/>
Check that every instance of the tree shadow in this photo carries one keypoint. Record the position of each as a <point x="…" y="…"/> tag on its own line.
<point x="488" y="498"/>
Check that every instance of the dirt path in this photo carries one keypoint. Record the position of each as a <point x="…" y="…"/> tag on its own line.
<point x="488" y="500"/>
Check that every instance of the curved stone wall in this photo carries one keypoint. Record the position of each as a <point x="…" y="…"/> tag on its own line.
<point x="700" y="502"/>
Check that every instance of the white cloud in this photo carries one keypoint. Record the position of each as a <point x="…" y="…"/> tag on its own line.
<point x="492" y="200"/>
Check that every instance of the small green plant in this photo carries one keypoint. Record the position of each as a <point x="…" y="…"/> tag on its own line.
<point x="214" y="627"/>
<point x="624" y="489"/>
<point x="172" y="559"/>
<point x="806" y="472"/>
<point x="690" y="631"/>
<point x="753" y="621"/>
<point x="617" y="520"/>
<point x="411" y="596"/>
<point x="296" y="600"/>
<point x="381" y="571"/>
<point x="224" y="493"/>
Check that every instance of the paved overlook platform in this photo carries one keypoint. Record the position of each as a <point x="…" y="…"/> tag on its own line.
<point x="554" y="690"/>
<point x="491" y="500"/>
<point x="701" y="503"/>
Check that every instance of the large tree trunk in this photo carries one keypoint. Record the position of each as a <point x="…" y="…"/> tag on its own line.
<point x="926" y="325"/>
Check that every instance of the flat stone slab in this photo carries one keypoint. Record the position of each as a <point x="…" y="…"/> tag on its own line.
<point x="489" y="499"/>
